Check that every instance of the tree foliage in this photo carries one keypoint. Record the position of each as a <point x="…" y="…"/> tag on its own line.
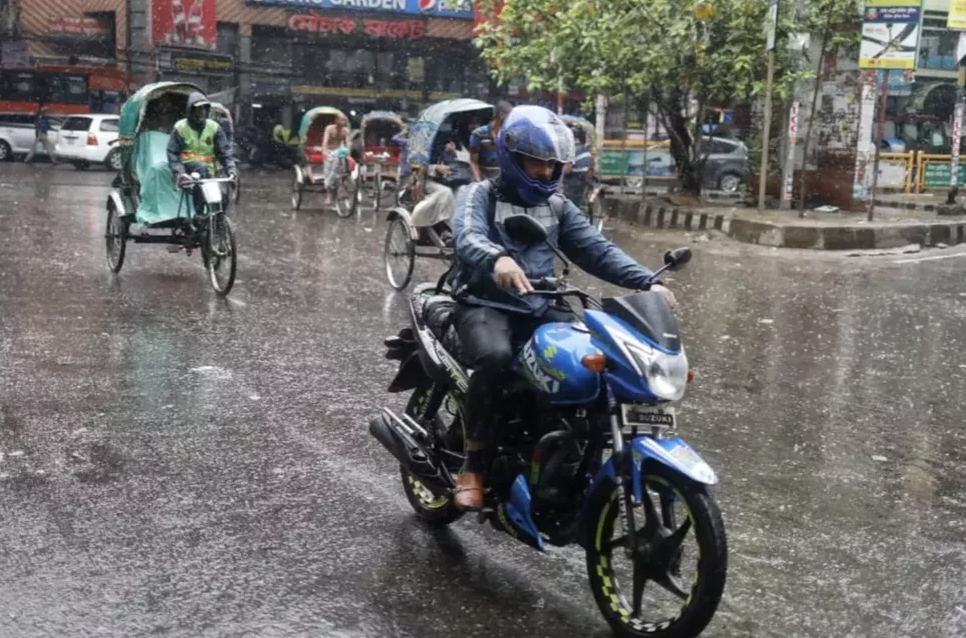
<point x="681" y="56"/>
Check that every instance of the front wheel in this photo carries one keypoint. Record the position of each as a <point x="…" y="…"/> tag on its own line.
<point x="399" y="253"/>
<point x="297" y="193"/>
<point x="115" y="239"/>
<point x="672" y="588"/>
<point x="114" y="161"/>
<point x="221" y="258"/>
<point x="346" y="196"/>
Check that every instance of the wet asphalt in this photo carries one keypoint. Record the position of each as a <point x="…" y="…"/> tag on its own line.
<point x="172" y="464"/>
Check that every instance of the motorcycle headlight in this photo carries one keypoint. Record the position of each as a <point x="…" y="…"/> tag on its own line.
<point x="666" y="374"/>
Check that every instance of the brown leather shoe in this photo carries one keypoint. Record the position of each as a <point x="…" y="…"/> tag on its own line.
<point x="469" y="492"/>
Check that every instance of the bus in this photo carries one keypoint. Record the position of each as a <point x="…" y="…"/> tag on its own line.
<point x="66" y="90"/>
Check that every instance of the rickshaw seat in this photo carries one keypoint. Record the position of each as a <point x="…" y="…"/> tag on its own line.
<point x="160" y="200"/>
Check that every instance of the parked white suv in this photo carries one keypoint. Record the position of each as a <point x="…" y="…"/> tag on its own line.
<point x="17" y="134"/>
<point x="88" y="139"/>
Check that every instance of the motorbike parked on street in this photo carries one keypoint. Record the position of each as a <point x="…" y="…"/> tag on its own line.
<point x="584" y="451"/>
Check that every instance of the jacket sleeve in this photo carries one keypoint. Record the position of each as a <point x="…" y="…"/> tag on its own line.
<point x="585" y="246"/>
<point x="223" y="149"/>
<point x="471" y="229"/>
<point x="174" y="154"/>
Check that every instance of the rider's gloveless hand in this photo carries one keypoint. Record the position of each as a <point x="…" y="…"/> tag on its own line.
<point x="510" y="276"/>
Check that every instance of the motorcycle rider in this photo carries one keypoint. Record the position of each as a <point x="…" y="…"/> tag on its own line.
<point x="194" y="144"/>
<point x="492" y="272"/>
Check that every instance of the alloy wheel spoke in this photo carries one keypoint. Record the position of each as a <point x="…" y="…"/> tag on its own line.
<point x="640" y="579"/>
<point x="671" y="584"/>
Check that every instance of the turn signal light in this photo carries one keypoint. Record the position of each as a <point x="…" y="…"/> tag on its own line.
<point x="595" y="362"/>
<point x="91" y="139"/>
<point x="690" y="376"/>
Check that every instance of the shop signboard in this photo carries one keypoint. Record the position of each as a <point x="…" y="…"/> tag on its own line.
<point x="196" y="63"/>
<point x="184" y="23"/>
<point x="78" y="27"/>
<point x="461" y="9"/>
<point x="890" y="34"/>
<point x="936" y="175"/>
<point x="631" y="161"/>
<point x="957" y="15"/>
<point x="312" y="22"/>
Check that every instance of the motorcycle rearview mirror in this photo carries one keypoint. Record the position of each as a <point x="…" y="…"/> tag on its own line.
<point x="527" y="230"/>
<point x="677" y="258"/>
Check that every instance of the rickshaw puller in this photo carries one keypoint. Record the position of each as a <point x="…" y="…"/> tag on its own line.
<point x="195" y="143"/>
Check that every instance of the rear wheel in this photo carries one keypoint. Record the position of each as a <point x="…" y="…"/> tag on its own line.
<point x="81" y="166"/>
<point x="683" y="556"/>
<point x="221" y="259"/>
<point x="399" y="253"/>
<point x="6" y="153"/>
<point x="115" y="239"/>
<point x="434" y="509"/>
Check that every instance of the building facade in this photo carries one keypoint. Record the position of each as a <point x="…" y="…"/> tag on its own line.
<point x="271" y="58"/>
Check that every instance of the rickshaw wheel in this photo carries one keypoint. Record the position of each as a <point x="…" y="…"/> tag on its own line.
<point x="236" y="189"/>
<point x="346" y="196"/>
<point x="377" y="198"/>
<point x="399" y="253"/>
<point x="115" y="239"/>
<point x="221" y="257"/>
<point x="296" y="194"/>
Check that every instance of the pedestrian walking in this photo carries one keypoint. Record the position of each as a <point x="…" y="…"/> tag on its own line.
<point x="41" y="136"/>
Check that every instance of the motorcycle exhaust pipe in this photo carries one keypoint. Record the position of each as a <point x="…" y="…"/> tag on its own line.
<point x="399" y="437"/>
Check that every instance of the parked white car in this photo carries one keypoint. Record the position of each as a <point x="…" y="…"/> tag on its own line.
<point x="88" y="139"/>
<point x="17" y="134"/>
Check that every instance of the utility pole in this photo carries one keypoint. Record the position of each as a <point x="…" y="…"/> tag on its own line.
<point x="957" y="118"/>
<point x="769" y="85"/>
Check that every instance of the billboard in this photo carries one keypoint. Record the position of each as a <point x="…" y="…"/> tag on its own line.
<point x="462" y="9"/>
<point x="184" y="23"/>
<point x="890" y="34"/>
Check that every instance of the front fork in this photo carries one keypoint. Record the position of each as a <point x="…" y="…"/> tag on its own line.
<point x="624" y="464"/>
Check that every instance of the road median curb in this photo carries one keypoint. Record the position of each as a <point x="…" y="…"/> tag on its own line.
<point x="791" y="234"/>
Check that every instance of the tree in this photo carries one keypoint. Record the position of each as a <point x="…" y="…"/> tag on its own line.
<point x="682" y="56"/>
<point x="840" y="24"/>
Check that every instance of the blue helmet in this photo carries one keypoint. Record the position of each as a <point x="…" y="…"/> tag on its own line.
<point x="535" y="132"/>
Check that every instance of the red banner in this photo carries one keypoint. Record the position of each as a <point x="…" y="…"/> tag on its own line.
<point x="83" y="27"/>
<point x="312" y="22"/>
<point x="184" y="23"/>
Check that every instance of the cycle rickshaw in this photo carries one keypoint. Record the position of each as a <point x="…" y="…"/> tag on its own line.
<point x="380" y="156"/>
<point x="437" y="125"/>
<point x="144" y="192"/>
<point x="309" y="172"/>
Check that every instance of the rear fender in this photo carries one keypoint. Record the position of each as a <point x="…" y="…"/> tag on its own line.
<point x="410" y="373"/>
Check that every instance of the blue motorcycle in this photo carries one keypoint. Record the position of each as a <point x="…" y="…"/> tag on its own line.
<point x="585" y="450"/>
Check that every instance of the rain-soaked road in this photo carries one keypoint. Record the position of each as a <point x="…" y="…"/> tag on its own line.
<point x="174" y="465"/>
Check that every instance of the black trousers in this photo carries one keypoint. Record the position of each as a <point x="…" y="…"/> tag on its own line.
<point x="488" y="336"/>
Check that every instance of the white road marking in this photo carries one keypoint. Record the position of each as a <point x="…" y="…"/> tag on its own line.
<point x="916" y="260"/>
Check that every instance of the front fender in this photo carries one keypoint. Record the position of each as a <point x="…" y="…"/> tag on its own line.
<point x="673" y="453"/>
<point x="115" y="200"/>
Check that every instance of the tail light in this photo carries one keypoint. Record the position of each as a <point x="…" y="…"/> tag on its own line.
<point x="91" y="139"/>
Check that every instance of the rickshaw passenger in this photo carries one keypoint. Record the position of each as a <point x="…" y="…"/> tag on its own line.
<point x="194" y="144"/>
<point x="444" y="176"/>
<point x="335" y="146"/>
